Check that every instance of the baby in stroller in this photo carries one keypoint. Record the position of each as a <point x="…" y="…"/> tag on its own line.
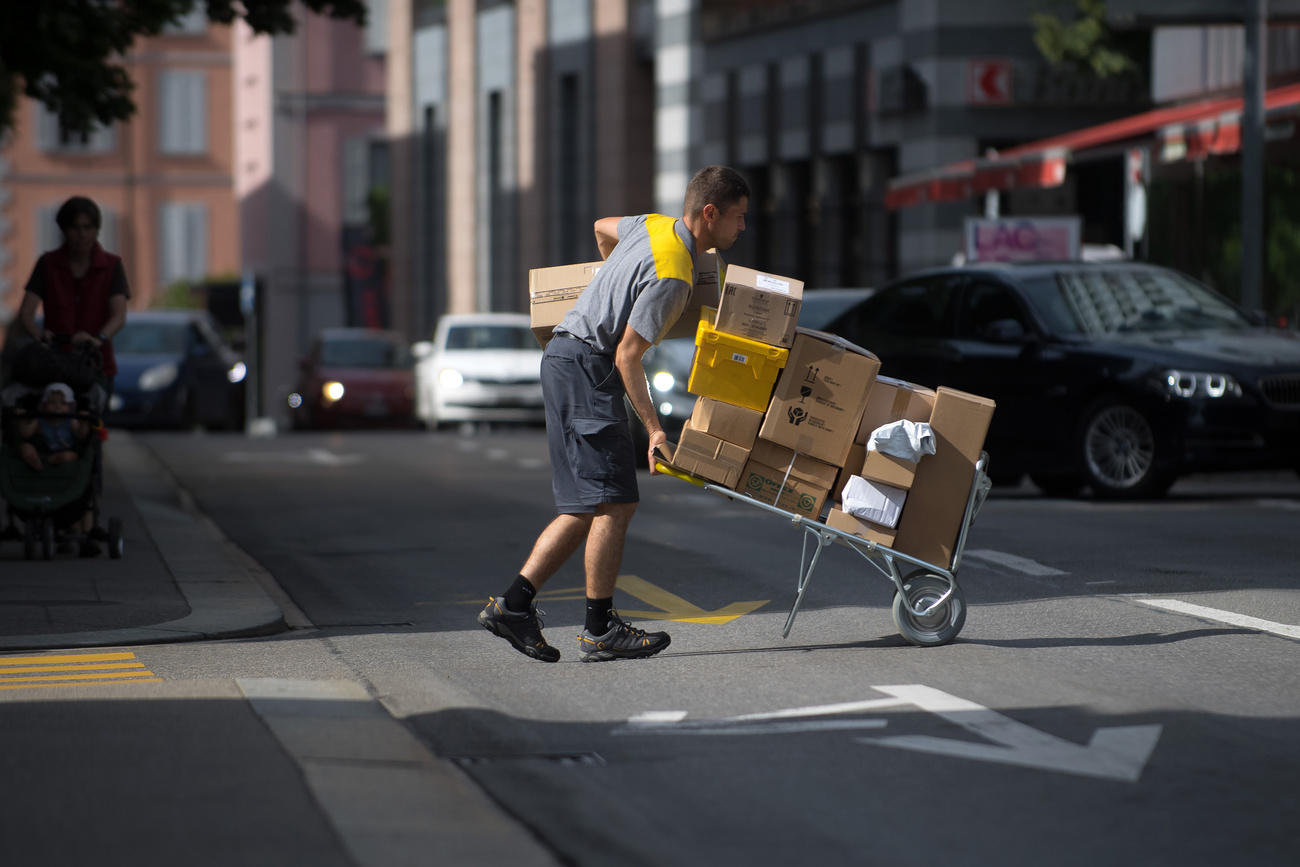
<point x="50" y="463"/>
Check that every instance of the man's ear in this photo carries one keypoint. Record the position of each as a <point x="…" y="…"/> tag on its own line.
<point x="709" y="212"/>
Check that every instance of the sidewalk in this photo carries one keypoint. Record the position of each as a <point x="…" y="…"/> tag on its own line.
<point x="179" y="578"/>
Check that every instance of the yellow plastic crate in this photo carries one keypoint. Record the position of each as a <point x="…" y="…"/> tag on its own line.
<point x="734" y="369"/>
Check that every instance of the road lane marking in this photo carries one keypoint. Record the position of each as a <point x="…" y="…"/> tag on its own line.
<point x="1217" y="614"/>
<point x="1011" y="561"/>
<point x="69" y="669"/>
<point x="1114" y="752"/>
<point x="673" y="607"/>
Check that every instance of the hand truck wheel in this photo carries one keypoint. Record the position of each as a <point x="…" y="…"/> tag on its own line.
<point x="919" y="619"/>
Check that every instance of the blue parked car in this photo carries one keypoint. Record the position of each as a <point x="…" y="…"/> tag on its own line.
<point x="174" y="370"/>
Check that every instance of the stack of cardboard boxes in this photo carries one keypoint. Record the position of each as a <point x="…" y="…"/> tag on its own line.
<point x="784" y="413"/>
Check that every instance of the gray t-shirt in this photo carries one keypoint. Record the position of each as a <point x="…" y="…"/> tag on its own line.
<point x="645" y="283"/>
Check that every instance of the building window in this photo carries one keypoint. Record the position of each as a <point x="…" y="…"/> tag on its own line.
<point x="182" y="112"/>
<point x="192" y="23"/>
<point x="50" y="138"/>
<point x="183" y="241"/>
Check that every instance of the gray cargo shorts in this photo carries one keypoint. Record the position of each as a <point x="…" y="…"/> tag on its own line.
<point x="593" y="459"/>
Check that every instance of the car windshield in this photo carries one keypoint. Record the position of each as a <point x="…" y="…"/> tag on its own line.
<point x="355" y="352"/>
<point x="150" y="338"/>
<point x="822" y="307"/>
<point x="1109" y="301"/>
<point x="490" y="337"/>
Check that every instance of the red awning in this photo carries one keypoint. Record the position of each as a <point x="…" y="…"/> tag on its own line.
<point x="1191" y="131"/>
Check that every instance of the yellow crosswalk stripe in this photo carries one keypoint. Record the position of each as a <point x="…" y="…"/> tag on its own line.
<point x="70" y="669"/>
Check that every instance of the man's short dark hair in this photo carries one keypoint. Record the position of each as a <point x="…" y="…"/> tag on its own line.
<point x="77" y="206"/>
<point x="719" y="186"/>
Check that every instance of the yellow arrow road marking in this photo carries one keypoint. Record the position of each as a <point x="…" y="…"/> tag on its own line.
<point x="674" y="607"/>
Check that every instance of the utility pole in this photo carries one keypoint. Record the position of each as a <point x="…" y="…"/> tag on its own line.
<point x="1254" y="78"/>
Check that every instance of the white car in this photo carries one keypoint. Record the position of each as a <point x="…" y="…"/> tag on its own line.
<point x="480" y="367"/>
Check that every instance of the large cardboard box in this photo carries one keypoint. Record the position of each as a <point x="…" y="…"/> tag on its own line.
<point x="760" y="306"/>
<point x="706" y="292"/>
<point x="894" y="400"/>
<point x="819" y="397"/>
<point x="858" y="527"/>
<point x="936" y="502"/>
<point x="774" y="474"/>
<point x="552" y="293"/>
<point x="726" y="421"/>
<point x="709" y="457"/>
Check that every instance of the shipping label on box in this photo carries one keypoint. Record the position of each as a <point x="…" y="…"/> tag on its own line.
<point x="705" y="292"/>
<point x="864" y="529"/>
<point x="936" y="503"/>
<point x="894" y="400"/>
<point x="774" y="474"/>
<point x="760" y="306"/>
<point x="552" y="293"/>
<point x="709" y="457"/>
<point x="819" y="397"/>
<point x="726" y="421"/>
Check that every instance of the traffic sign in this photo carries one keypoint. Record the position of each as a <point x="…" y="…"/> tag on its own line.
<point x="988" y="82"/>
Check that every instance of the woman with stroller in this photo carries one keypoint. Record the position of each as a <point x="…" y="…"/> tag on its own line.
<point x="80" y="285"/>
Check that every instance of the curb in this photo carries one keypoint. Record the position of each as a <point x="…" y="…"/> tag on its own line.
<point x="222" y="585"/>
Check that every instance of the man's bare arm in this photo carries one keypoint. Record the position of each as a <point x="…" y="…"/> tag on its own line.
<point x="628" y="359"/>
<point x="606" y="235"/>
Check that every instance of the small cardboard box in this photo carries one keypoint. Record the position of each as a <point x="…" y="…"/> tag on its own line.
<point x="552" y="293"/>
<point x="887" y="469"/>
<point x="937" y="500"/>
<point x="760" y="306"/>
<point x="726" y="421"/>
<point x="894" y="400"/>
<point x="709" y="457"/>
<point x="807" y="481"/>
<point x="817" y="405"/>
<point x="857" y="527"/>
<point x="705" y="293"/>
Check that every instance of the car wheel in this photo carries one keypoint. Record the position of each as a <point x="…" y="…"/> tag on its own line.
<point x="1120" y="453"/>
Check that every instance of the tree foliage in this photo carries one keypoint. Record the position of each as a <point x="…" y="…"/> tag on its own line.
<point x="1085" y="43"/>
<point x="68" y="53"/>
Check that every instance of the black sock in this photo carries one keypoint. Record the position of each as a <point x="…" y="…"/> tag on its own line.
<point x="598" y="614"/>
<point x="520" y="595"/>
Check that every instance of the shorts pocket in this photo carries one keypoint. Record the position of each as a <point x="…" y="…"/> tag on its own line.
<point x="596" y="446"/>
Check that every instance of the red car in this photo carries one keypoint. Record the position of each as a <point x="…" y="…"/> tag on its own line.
<point x="355" y="377"/>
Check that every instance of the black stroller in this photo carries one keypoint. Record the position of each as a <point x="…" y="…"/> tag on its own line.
<point x="48" y="504"/>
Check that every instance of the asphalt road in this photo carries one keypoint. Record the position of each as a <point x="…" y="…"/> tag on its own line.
<point x="1125" y="687"/>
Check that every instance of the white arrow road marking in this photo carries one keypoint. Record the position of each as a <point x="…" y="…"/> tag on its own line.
<point x="1011" y="561"/>
<point x="1117" y="753"/>
<point x="1221" y="616"/>
<point x="310" y="456"/>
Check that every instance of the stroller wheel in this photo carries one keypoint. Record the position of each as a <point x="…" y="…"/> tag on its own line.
<point x="116" y="544"/>
<point x="47" y="539"/>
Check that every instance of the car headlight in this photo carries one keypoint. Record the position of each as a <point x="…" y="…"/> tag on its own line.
<point x="450" y="377"/>
<point x="331" y="392"/>
<point x="663" y="381"/>
<point x="159" y="376"/>
<point x="237" y="372"/>
<point x="1193" y="383"/>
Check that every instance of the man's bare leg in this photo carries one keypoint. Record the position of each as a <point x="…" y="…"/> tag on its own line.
<point x="604" y="552"/>
<point x="555" y="546"/>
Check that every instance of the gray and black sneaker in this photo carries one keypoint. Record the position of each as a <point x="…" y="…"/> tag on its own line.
<point x="622" y="641"/>
<point x="523" y="629"/>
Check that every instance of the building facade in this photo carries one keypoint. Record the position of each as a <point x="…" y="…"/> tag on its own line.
<point x="163" y="180"/>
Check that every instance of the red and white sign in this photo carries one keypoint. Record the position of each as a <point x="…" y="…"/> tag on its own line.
<point x="988" y="82"/>
<point x="1023" y="239"/>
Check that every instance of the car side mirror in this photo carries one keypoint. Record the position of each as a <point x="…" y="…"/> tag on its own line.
<point x="422" y="349"/>
<point x="1004" y="331"/>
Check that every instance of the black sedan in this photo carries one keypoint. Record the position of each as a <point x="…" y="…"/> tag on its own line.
<point x="174" y="370"/>
<point x="1119" y="376"/>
